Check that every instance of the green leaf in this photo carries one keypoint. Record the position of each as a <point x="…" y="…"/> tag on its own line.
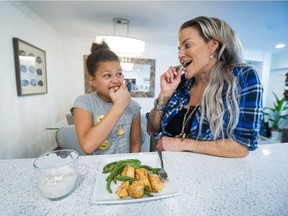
<point x="276" y="113"/>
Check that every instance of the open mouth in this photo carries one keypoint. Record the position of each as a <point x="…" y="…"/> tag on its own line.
<point x="182" y="66"/>
<point x="186" y="64"/>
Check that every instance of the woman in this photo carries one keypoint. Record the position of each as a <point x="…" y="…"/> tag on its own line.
<point x="215" y="107"/>
<point x="108" y="121"/>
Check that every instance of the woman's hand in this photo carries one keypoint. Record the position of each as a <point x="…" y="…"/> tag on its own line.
<point x="170" y="144"/>
<point x="169" y="81"/>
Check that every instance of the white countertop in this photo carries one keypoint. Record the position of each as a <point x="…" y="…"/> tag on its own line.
<point x="255" y="185"/>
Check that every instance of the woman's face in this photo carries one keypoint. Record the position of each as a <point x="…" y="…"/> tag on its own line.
<point x="192" y="48"/>
<point x="108" y="75"/>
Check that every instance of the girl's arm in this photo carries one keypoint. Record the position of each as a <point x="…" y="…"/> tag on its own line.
<point x="135" y="135"/>
<point x="91" y="136"/>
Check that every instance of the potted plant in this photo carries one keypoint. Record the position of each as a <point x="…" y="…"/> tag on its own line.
<point x="276" y="114"/>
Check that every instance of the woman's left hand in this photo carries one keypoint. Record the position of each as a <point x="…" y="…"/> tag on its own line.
<point x="170" y="144"/>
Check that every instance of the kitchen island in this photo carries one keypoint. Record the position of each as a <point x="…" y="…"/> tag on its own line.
<point x="255" y="185"/>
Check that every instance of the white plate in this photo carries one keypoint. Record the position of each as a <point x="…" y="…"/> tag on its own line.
<point x="102" y="196"/>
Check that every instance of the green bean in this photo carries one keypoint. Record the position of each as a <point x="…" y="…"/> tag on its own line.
<point x="151" y="169"/>
<point x="108" y="186"/>
<point x="114" y="173"/>
<point x="115" y="169"/>
<point x="177" y="66"/>
<point x="109" y="167"/>
<point x="126" y="178"/>
<point x="147" y="191"/>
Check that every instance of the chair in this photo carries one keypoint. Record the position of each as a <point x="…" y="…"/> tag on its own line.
<point x="66" y="138"/>
<point x="284" y="137"/>
<point x="152" y="139"/>
<point x="70" y="119"/>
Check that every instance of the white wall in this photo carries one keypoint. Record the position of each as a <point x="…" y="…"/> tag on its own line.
<point x="24" y="119"/>
<point x="265" y="72"/>
<point x="279" y="67"/>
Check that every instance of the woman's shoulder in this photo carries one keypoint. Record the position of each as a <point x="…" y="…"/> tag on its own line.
<point x="246" y="74"/>
<point x="241" y="69"/>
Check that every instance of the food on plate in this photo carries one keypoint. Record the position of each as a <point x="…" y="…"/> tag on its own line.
<point x="156" y="183"/>
<point x="122" y="190"/>
<point x="136" y="189"/>
<point x="128" y="171"/>
<point x="141" y="176"/>
<point x="135" y="178"/>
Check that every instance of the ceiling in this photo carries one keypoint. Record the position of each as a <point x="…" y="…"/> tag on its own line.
<point x="259" y="24"/>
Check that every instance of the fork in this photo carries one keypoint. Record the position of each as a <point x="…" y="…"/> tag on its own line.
<point x="162" y="173"/>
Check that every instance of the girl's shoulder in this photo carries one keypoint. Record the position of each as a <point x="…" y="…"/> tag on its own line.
<point x="134" y="105"/>
<point x="87" y="97"/>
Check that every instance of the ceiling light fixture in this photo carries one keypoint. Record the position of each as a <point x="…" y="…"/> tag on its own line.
<point x="279" y="46"/>
<point x="125" y="47"/>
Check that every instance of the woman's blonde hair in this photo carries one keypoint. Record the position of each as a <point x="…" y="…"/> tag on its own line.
<point x="229" y="55"/>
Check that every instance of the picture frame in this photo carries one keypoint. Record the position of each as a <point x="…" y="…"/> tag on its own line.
<point x="30" y="68"/>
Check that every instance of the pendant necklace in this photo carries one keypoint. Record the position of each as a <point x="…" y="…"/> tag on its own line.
<point x="186" y="121"/>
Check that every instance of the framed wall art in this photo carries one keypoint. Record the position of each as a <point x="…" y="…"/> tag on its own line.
<point x="30" y="67"/>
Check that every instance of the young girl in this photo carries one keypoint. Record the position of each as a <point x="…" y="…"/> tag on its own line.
<point x="108" y="121"/>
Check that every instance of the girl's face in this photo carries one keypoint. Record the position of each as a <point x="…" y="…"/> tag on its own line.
<point x="108" y="75"/>
<point x="195" y="51"/>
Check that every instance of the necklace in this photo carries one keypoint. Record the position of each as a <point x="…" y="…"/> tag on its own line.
<point x="186" y="121"/>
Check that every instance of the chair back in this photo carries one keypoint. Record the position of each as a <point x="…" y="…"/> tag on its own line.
<point x="66" y="139"/>
<point x="284" y="137"/>
<point x="70" y="119"/>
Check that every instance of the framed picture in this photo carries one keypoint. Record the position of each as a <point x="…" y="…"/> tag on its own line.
<point x="30" y="67"/>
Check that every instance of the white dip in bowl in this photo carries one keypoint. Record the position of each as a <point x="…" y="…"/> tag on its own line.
<point x="57" y="173"/>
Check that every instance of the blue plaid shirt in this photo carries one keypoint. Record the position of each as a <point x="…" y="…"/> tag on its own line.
<point x="250" y="108"/>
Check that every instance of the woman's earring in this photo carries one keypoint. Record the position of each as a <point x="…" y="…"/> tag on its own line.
<point x="212" y="56"/>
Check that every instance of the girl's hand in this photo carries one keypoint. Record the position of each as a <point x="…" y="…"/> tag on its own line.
<point x="121" y="97"/>
<point x="170" y="80"/>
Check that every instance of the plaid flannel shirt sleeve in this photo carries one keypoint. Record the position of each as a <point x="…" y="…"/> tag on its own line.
<point x="250" y="106"/>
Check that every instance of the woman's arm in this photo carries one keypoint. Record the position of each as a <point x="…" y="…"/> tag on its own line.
<point x="155" y="115"/>
<point x="135" y="135"/>
<point x="169" y="81"/>
<point x="220" y="147"/>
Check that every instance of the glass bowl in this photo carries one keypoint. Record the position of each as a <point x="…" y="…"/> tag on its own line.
<point x="57" y="173"/>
